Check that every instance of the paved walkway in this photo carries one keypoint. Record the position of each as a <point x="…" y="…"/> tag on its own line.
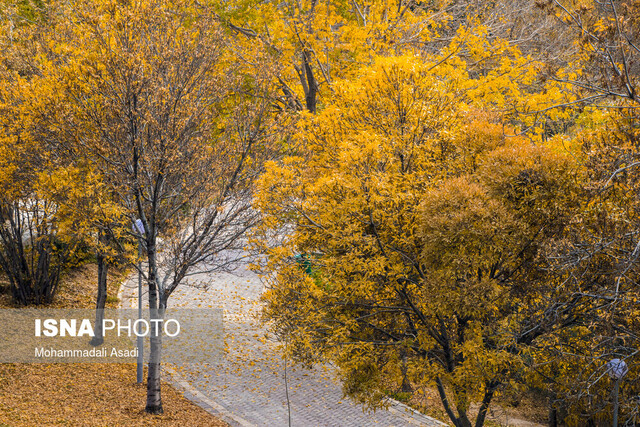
<point x="246" y="386"/>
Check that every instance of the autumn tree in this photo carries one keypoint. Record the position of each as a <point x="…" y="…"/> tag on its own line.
<point x="600" y="257"/>
<point x="608" y="47"/>
<point x="71" y="190"/>
<point x="86" y="208"/>
<point x="312" y="44"/>
<point x="33" y="246"/>
<point x="33" y="249"/>
<point x="598" y="265"/>
<point x="422" y="231"/>
<point x="147" y="96"/>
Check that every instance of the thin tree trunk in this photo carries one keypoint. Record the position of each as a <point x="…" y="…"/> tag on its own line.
<point x="553" y="417"/>
<point x="311" y="83"/>
<point x="553" y="412"/>
<point x="463" y="419"/>
<point x="156" y="311"/>
<point x="445" y="402"/>
<point x="154" y="396"/>
<point x="490" y="388"/>
<point x="406" y="385"/>
<point x="101" y="298"/>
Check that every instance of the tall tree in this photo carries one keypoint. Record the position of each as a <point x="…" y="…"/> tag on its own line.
<point x="148" y="97"/>
<point x="312" y="43"/>
<point x="33" y="248"/>
<point x="421" y="231"/>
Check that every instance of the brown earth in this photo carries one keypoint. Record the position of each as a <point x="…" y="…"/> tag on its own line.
<point x="522" y="410"/>
<point x="86" y="394"/>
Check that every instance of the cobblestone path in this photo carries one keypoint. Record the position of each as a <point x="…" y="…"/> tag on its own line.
<point x="246" y="385"/>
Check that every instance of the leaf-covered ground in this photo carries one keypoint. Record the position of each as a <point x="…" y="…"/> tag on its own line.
<point x="87" y="394"/>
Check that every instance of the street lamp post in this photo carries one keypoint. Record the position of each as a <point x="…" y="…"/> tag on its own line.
<point x="617" y="369"/>
<point x="139" y="227"/>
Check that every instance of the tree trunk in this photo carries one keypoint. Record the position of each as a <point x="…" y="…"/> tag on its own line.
<point x="553" y="413"/>
<point x="490" y="388"/>
<point x="101" y="298"/>
<point x="553" y="417"/>
<point x="156" y="311"/>
<point x="311" y="85"/>
<point x="154" y="396"/>
<point x="462" y="420"/>
<point x="406" y="384"/>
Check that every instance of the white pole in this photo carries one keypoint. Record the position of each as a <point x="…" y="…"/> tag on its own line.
<point x="616" y="388"/>
<point x="140" y="343"/>
<point x="617" y="369"/>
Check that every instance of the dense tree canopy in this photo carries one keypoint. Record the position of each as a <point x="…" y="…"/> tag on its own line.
<point x="425" y="228"/>
<point x="445" y="193"/>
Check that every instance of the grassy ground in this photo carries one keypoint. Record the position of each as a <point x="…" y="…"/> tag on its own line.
<point x="87" y="394"/>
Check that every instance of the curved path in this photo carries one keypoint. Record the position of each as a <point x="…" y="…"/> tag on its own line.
<point x="246" y="386"/>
